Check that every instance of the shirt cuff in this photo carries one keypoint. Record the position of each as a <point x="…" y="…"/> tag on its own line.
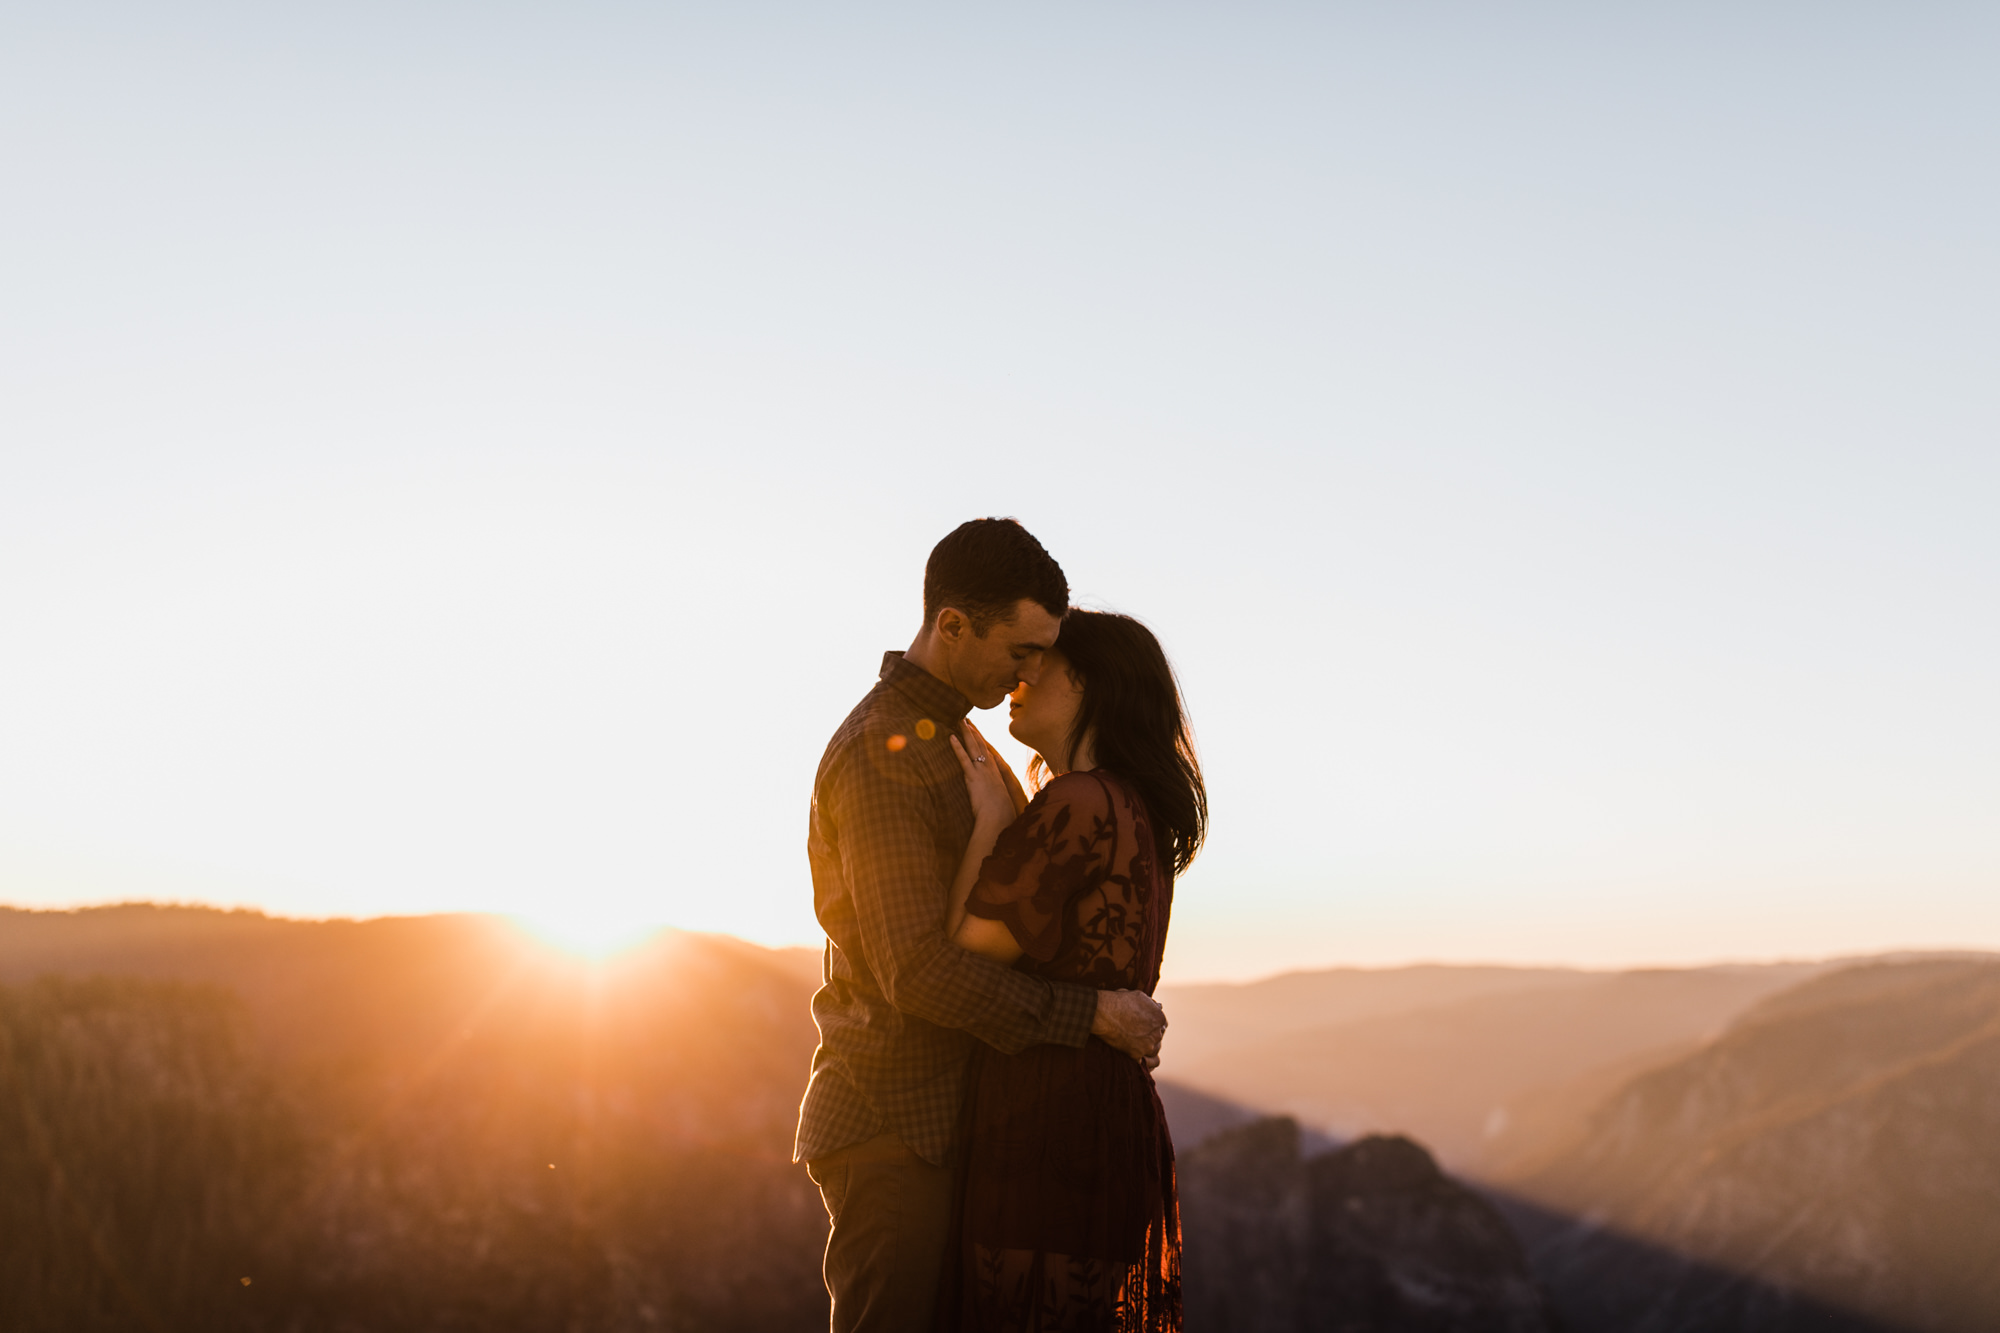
<point x="1072" y="1013"/>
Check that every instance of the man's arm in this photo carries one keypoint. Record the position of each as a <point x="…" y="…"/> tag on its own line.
<point x="889" y="858"/>
<point x="890" y="862"/>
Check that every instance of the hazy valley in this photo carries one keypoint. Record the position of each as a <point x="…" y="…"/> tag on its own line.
<point x="1479" y="1063"/>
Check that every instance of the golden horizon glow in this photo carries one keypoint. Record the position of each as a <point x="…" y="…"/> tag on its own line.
<point x="591" y="935"/>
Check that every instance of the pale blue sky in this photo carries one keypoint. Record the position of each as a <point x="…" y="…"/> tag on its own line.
<point x="471" y="456"/>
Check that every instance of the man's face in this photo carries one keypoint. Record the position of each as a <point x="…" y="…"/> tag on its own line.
<point x="986" y="670"/>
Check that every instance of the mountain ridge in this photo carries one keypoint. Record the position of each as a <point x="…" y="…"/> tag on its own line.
<point x="1836" y="1142"/>
<point x="474" y="1129"/>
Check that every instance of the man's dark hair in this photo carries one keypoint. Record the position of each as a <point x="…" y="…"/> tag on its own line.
<point x="985" y="567"/>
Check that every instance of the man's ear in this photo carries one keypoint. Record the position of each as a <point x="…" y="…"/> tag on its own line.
<point x="951" y="624"/>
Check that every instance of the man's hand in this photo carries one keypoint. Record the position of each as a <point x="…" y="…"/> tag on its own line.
<point x="1132" y="1021"/>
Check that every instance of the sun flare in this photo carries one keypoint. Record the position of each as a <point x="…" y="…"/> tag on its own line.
<point x="586" y="934"/>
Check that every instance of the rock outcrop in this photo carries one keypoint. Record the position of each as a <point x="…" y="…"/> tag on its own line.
<point x="1370" y="1237"/>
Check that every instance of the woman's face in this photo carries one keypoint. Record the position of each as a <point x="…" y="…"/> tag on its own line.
<point x="1040" y="715"/>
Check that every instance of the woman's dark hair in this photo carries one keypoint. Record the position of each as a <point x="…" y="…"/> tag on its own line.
<point x="985" y="567"/>
<point x="1132" y="700"/>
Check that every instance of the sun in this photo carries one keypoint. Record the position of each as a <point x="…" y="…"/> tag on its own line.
<point x="586" y="933"/>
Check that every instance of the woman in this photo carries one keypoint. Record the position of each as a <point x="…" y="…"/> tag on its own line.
<point x="1066" y="1211"/>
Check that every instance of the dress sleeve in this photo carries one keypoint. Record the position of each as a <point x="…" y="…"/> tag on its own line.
<point x="889" y="859"/>
<point x="1058" y="849"/>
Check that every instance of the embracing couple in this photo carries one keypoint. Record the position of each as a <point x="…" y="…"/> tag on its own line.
<point x="981" y="1119"/>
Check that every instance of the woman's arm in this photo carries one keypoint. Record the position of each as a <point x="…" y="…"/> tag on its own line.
<point x="972" y="933"/>
<point x="993" y="809"/>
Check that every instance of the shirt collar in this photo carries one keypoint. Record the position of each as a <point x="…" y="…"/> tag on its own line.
<point x="926" y="691"/>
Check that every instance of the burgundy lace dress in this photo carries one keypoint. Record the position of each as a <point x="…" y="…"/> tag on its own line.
<point x="1067" y="1217"/>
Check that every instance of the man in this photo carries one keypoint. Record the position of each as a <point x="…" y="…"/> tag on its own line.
<point x="901" y="1005"/>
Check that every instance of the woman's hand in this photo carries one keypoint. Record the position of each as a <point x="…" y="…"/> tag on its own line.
<point x="991" y="788"/>
<point x="985" y="780"/>
<point x="993" y="758"/>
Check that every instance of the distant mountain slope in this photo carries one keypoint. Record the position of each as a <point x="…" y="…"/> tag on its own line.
<point x="1451" y="1073"/>
<point x="1194" y="1117"/>
<point x="1841" y="1141"/>
<point x="1215" y="1017"/>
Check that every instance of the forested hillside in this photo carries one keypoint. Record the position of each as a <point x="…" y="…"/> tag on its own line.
<point x="401" y="1124"/>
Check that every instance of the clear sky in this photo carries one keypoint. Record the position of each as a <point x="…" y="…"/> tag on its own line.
<point x="471" y="456"/>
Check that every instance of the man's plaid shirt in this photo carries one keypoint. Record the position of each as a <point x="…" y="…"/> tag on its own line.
<point x="901" y="1005"/>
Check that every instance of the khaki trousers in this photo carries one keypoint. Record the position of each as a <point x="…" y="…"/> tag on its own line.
<point x="890" y="1211"/>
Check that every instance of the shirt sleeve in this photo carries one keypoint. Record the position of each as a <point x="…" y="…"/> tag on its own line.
<point x="890" y="860"/>
<point x="1044" y="861"/>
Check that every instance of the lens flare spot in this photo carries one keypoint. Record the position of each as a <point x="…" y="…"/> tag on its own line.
<point x="926" y="729"/>
<point x="897" y="742"/>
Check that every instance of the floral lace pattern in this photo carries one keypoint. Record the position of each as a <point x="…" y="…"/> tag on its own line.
<point x="1075" y="878"/>
<point x="1068" y="1221"/>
